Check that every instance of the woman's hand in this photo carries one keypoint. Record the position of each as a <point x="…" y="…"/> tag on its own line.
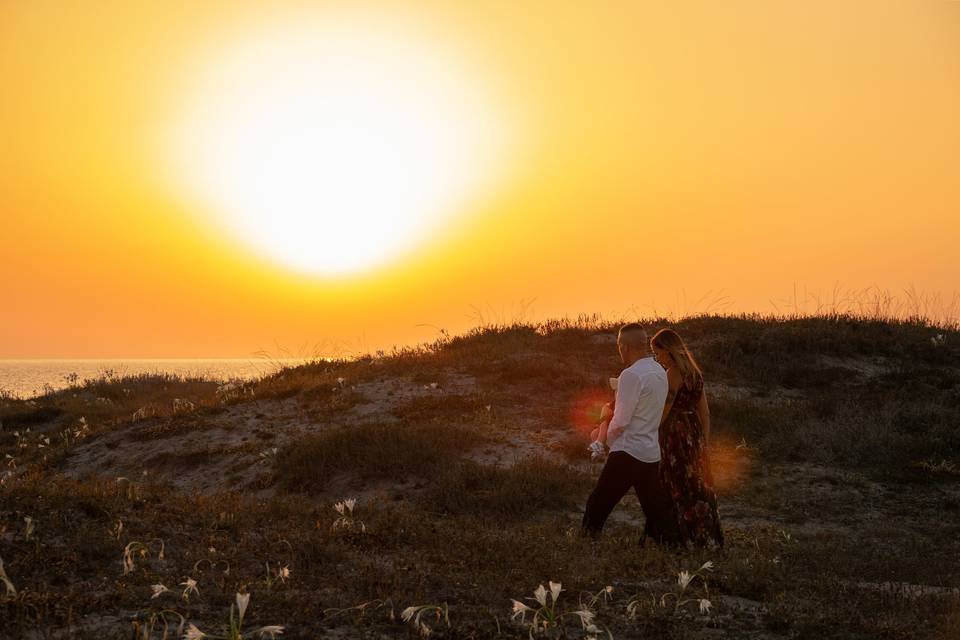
<point x="606" y="411"/>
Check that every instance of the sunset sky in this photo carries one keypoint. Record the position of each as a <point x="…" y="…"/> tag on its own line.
<point x="609" y="157"/>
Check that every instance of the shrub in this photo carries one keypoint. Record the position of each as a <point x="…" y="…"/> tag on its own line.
<point x="372" y="451"/>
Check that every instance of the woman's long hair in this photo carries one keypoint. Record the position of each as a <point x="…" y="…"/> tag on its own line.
<point x="671" y="342"/>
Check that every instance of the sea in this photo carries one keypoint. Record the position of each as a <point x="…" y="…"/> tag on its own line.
<point x="30" y="378"/>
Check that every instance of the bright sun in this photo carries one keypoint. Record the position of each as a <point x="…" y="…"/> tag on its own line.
<point x="333" y="149"/>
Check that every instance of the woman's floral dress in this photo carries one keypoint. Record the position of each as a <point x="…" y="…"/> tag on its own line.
<point x="685" y="470"/>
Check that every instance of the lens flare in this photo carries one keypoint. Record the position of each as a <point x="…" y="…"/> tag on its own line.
<point x="585" y="409"/>
<point x="729" y="463"/>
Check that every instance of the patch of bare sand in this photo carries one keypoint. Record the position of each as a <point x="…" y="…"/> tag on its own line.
<point x="381" y="397"/>
<point x="767" y="395"/>
<point x="232" y="450"/>
<point x="513" y="446"/>
<point x="805" y="499"/>
<point x="906" y="590"/>
<point x="864" y="366"/>
<point x="216" y="453"/>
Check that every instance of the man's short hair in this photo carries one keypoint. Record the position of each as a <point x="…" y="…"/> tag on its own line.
<point x="634" y="334"/>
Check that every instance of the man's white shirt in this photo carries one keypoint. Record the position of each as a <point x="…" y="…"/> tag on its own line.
<point x="641" y="395"/>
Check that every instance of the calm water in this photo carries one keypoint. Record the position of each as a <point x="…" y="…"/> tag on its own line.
<point x="26" y="378"/>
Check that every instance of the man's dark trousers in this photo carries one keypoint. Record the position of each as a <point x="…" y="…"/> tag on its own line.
<point x="621" y="472"/>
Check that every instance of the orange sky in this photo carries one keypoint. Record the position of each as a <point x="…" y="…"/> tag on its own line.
<point x="664" y="151"/>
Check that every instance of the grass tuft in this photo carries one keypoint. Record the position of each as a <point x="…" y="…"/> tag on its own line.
<point x="373" y="452"/>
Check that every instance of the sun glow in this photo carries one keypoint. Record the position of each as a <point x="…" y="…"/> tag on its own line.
<point x="333" y="149"/>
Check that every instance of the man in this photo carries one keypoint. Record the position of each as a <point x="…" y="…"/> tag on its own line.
<point x="633" y="436"/>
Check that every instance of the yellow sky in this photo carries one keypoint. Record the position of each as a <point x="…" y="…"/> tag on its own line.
<point x="665" y="150"/>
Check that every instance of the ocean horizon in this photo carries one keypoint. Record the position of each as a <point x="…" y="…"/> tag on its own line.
<point x="27" y="378"/>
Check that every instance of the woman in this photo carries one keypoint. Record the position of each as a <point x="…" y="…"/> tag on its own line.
<point x="684" y="432"/>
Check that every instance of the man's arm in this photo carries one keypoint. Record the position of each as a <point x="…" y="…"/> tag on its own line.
<point x="628" y="396"/>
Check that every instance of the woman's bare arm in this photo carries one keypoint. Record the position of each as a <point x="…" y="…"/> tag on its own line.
<point x="674" y="379"/>
<point x="703" y="412"/>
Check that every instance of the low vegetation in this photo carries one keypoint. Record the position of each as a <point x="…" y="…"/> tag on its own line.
<point x="437" y="491"/>
<point x="381" y="452"/>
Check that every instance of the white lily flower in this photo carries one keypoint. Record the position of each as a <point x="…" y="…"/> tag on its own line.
<point x="193" y="633"/>
<point x="284" y="574"/>
<point x="407" y="613"/>
<point x="190" y="586"/>
<point x="541" y="595"/>
<point x="707" y="566"/>
<point x="340" y="508"/>
<point x="350" y="504"/>
<point x="158" y="590"/>
<point x="243" y="599"/>
<point x="520" y="609"/>
<point x="586" y="617"/>
<point x="272" y="630"/>
<point x="683" y="579"/>
<point x="705" y="605"/>
<point x="555" y="590"/>
<point x="11" y="590"/>
<point x="127" y="561"/>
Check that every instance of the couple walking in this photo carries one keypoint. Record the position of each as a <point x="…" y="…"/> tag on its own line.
<point x="657" y="431"/>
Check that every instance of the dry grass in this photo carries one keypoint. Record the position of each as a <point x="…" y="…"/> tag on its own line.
<point x="532" y="484"/>
<point x="371" y="452"/>
<point x="834" y="444"/>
